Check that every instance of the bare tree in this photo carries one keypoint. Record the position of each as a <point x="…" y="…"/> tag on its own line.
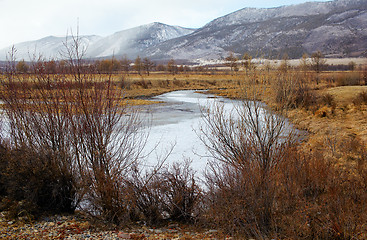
<point x="172" y="67"/>
<point x="107" y="141"/>
<point x="317" y="61"/>
<point x="125" y="64"/>
<point x="232" y="62"/>
<point x="138" y="65"/>
<point x="246" y="62"/>
<point x="147" y="65"/>
<point x="304" y="62"/>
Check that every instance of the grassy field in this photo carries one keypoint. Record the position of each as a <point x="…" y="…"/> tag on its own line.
<point x="336" y="120"/>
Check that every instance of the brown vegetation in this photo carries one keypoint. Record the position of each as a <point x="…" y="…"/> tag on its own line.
<point x="70" y="142"/>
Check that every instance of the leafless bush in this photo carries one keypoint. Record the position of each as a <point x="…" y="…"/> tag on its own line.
<point x="145" y="84"/>
<point x="3" y="166"/>
<point x="162" y="83"/>
<point x="328" y="100"/>
<point x="170" y="193"/>
<point x="78" y="133"/>
<point x="211" y="82"/>
<point x="38" y="138"/>
<point x="106" y="143"/>
<point x="38" y="180"/>
<point x="326" y="199"/>
<point x="181" y="192"/>
<point x="360" y="99"/>
<point x="178" y="83"/>
<point x="291" y="91"/>
<point x="147" y="197"/>
<point x="125" y="83"/>
<point x="250" y="145"/>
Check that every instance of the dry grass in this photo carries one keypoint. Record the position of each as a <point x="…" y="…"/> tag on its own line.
<point x="345" y="94"/>
<point x="347" y="118"/>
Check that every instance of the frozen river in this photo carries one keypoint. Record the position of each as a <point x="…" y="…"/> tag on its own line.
<point x="176" y="122"/>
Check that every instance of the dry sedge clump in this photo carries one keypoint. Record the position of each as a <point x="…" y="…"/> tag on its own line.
<point x="145" y="84"/>
<point x="328" y="100"/>
<point x="360" y="99"/>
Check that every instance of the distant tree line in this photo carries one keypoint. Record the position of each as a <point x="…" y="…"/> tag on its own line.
<point x="113" y="65"/>
<point x="315" y="62"/>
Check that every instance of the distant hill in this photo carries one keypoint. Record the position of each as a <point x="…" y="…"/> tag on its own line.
<point x="130" y="42"/>
<point x="135" y="41"/>
<point x="48" y="47"/>
<point x="337" y="28"/>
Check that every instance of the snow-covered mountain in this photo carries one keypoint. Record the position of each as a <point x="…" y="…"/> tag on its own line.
<point x="49" y="47"/>
<point x="130" y="42"/>
<point x="336" y="28"/>
<point x="134" y="41"/>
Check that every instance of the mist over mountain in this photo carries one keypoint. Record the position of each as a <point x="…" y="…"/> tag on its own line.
<point x="135" y="41"/>
<point x="50" y="47"/>
<point x="337" y="28"/>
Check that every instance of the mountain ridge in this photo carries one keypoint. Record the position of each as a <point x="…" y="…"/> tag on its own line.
<point x="292" y="29"/>
<point x="337" y="28"/>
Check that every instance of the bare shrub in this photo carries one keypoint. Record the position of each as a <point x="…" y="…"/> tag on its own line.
<point x="170" y="193"/>
<point x="327" y="200"/>
<point x="147" y="197"/>
<point x="303" y="96"/>
<point x="38" y="180"/>
<point x="182" y="193"/>
<point x="80" y="134"/>
<point x="291" y="91"/>
<point x="40" y="159"/>
<point x="360" y="99"/>
<point x="125" y="83"/>
<point x="328" y="100"/>
<point x="106" y="142"/>
<point x="250" y="146"/>
<point x="177" y="83"/>
<point x="163" y="83"/>
<point x="145" y="84"/>
<point x="212" y="82"/>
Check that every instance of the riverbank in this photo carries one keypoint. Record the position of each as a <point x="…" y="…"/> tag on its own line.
<point x="77" y="226"/>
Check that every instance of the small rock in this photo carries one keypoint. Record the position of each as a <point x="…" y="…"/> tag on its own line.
<point x="123" y="235"/>
<point x="10" y="222"/>
<point x="158" y="231"/>
<point x="212" y="231"/>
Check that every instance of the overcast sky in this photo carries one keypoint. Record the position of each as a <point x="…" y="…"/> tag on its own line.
<point x="25" y="20"/>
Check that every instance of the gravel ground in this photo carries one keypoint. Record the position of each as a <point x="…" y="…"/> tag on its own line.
<point x="73" y="227"/>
